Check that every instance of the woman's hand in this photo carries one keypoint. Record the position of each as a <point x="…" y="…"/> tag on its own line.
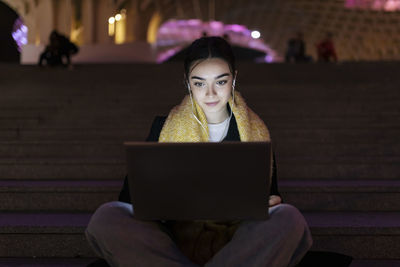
<point x="274" y="200"/>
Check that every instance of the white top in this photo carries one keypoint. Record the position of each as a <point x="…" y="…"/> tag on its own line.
<point x="218" y="131"/>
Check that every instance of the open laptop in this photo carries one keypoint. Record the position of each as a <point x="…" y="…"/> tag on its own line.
<point x="199" y="181"/>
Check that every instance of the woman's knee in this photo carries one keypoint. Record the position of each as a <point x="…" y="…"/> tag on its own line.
<point x="290" y="218"/>
<point x="102" y="219"/>
<point x="287" y="212"/>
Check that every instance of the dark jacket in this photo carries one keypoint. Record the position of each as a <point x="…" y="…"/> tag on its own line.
<point x="232" y="135"/>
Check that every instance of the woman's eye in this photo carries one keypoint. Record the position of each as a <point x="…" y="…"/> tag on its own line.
<point x="199" y="84"/>
<point x="222" y="82"/>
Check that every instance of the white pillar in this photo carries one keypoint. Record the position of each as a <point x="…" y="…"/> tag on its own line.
<point x="44" y="20"/>
<point x="63" y="15"/>
<point x="88" y="19"/>
<point x="103" y="10"/>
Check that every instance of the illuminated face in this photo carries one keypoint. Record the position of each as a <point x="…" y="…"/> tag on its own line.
<point x="211" y="85"/>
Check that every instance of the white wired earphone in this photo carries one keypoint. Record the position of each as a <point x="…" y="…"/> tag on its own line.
<point x="191" y="100"/>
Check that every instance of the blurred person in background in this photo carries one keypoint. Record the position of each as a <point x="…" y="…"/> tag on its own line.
<point x="59" y="49"/>
<point x="326" y="49"/>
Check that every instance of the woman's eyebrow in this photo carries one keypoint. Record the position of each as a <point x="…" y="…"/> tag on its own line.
<point x="219" y="76"/>
<point x="222" y="75"/>
<point x="197" y="77"/>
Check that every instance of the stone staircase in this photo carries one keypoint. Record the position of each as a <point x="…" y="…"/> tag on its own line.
<point x="335" y="133"/>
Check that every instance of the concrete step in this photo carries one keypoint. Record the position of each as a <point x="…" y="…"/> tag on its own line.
<point x="63" y="169"/>
<point x="279" y="134"/>
<point x="335" y="169"/>
<point x="364" y="119"/>
<point x="102" y="83"/>
<point x="121" y="102"/>
<point x="264" y="107"/>
<point x="21" y="111"/>
<point x="303" y="158"/>
<point x="309" y="91"/>
<point x="20" y="122"/>
<point x="45" y="262"/>
<point x="318" y="97"/>
<point x="102" y="95"/>
<point x="72" y="262"/>
<point x="365" y="152"/>
<point x="126" y="122"/>
<point x="67" y="149"/>
<point x="98" y="78"/>
<point x="44" y="235"/>
<point x="57" y="195"/>
<point x="344" y="149"/>
<point x="40" y="100"/>
<point x="77" y="134"/>
<point x="137" y="115"/>
<point x="265" y="102"/>
<point x="375" y="263"/>
<point x="342" y="195"/>
<point x="363" y="235"/>
<point x="309" y="195"/>
<point x="113" y="104"/>
<point x="93" y="122"/>
<point x="331" y="124"/>
<point x="322" y="135"/>
<point x="111" y="168"/>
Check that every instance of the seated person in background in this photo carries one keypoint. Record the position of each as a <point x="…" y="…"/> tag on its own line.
<point x="59" y="47"/>
<point x="213" y="111"/>
<point x="51" y="54"/>
<point x="67" y="48"/>
<point x="326" y="49"/>
<point x="296" y="49"/>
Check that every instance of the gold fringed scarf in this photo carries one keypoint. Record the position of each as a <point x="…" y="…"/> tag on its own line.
<point x="201" y="240"/>
<point x="181" y="126"/>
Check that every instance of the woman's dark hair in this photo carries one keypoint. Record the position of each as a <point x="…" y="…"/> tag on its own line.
<point x="209" y="47"/>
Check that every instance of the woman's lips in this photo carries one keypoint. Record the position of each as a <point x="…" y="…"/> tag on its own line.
<point x="211" y="104"/>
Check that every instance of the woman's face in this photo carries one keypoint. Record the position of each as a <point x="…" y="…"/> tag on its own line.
<point x="211" y="85"/>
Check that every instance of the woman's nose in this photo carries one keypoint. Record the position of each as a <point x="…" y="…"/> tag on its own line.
<point x="210" y="90"/>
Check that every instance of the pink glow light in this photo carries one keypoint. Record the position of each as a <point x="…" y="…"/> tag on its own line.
<point x="216" y="28"/>
<point x="392" y="5"/>
<point x="384" y="5"/>
<point x="235" y="28"/>
<point x="216" y="25"/>
<point x="192" y="22"/>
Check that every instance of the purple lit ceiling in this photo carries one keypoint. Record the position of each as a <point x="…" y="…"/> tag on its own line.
<point x="174" y="35"/>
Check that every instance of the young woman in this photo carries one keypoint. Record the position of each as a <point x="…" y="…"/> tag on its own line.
<point x="213" y="111"/>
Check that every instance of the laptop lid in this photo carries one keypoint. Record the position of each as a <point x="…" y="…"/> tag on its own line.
<point x="199" y="181"/>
